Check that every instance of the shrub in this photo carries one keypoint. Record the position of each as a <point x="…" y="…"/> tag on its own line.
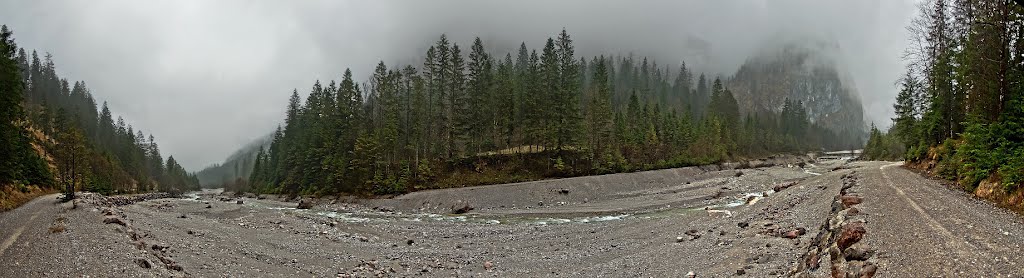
<point x="560" y="165"/>
<point x="1012" y="171"/>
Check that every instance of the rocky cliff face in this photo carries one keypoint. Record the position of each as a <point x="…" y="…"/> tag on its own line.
<point x="765" y="81"/>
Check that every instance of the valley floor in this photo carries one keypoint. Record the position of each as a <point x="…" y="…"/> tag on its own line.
<point x="665" y="223"/>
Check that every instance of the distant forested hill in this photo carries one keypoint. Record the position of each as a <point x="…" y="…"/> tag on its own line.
<point x="237" y="165"/>
<point x="54" y="135"/>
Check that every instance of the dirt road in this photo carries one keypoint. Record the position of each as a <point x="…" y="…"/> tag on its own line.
<point x="764" y="222"/>
<point x="921" y="228"/>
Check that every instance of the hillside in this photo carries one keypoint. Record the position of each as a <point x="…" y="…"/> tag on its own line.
<point x="54" y="136"/>
<point x="237" y="165"/>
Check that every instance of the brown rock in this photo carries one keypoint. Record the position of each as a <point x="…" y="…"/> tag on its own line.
<point x="812" y="260"/>
<point x="852" y="233"/>
<point x="791" y="234"/>
<point x="838" y="271"/>
<point x="868" y="271"/>
<point x="488" y="265"/>
<point x="850" y="200"/>
<point x="857" y="253"/>
<point x="795" y="233"/>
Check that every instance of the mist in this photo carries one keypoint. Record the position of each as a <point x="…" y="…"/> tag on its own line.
<point x="206" y="77"/>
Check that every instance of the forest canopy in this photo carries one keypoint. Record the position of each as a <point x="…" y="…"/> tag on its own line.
<point x="466" y="117"/>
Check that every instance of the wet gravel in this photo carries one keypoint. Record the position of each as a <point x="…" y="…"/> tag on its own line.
<point x="710" y="221"/>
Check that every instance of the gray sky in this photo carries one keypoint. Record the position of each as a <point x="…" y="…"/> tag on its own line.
<point x="206" y="77"/>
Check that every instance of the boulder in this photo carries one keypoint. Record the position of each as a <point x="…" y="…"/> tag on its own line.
<point x="855" y="253"/>
<point x="782" y="186"/>
<point x="868" y="270"/>
<point x="850" y="200"/>
<point x="305" y="204"/>
<point x="794" y="233"/>
<point x="462" y="209"/>
<point x="851" y="233"/>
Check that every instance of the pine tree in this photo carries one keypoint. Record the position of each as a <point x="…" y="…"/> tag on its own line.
<point x="905" y="122"/>
<point x="549" y="93"/>
<point x="600" y="114"/>
<point x="567" y="109"/>
<point x="18" y="161"/>
<point x="478" y="121"/>
<point x="701" y="98"/>
<point x="457" y="103"/>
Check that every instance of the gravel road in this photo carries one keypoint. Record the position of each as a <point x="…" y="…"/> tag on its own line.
<point x="764" y="222"/>
<point x="922" y="228"/>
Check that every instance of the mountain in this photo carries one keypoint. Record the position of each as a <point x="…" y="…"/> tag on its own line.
<point x="237" y="165"/>
<point x="805" y="74"/>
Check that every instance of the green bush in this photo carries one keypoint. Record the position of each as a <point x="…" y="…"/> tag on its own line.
<point x="1012" y="171"/>
<point x="21" y="186"/>
<point x="560" y="166"/>
<point x="948" y="165"/>
<point x="916" y="152"/>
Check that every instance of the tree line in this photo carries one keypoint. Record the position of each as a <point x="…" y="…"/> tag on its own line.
<point x="84" y="148"/>
<point x="961" y="102"/>
<point x="517" y="116"/>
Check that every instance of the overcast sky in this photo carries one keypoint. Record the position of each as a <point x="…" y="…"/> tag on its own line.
<point x="206" y="77"/>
